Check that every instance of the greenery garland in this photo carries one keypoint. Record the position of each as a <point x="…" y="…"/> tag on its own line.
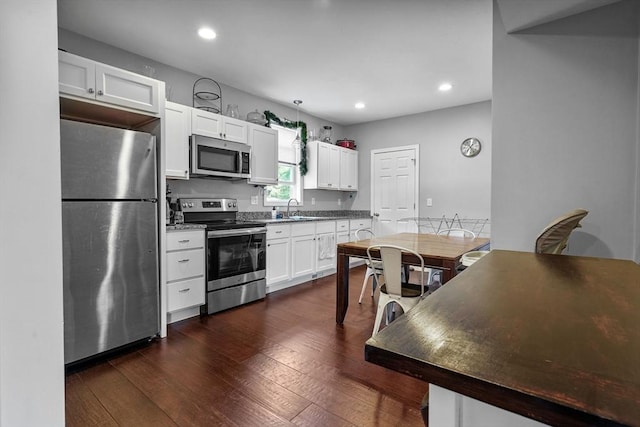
<point x="272" y="118"/>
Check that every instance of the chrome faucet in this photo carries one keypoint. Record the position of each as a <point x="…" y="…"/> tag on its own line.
<point x="289" y="206"/>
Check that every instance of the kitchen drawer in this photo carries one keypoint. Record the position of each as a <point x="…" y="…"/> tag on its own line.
<point x="356" y="224"/>
<point x="178" y="240"/>
<point x="185" y="294"/>
<point x="277" y="231"/>
<point x="185" y="264"/>
<point x="342" y="225"/>
<point x="303" y="229"/>
<point x="325" y="227"/>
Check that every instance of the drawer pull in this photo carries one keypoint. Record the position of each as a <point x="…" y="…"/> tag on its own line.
<point x="279" y="232"/>
<point x="184" y="260"/>
<point x="184" y="290"/>
<point x="184" y="241"/>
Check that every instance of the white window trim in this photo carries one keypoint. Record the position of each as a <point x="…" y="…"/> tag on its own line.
<point x="298" y="178"/>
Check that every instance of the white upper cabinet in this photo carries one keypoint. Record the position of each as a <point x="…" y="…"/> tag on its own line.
<point x="348" y="169"/>
<point x="323" y="166"/>
<point x="214" y="125"/>
<point x="330" y="167"/>
<point x="177" y="131"/>
<point x="84" y="78"/>
<point x="205" y="123"/>
<point x="264" y="155"/>
<point x="235" y="130"/>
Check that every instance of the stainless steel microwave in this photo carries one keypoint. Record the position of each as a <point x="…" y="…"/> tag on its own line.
<point x="219" y="158"/>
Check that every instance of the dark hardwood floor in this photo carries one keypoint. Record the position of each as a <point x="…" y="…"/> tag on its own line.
<point x="280" y="361"/>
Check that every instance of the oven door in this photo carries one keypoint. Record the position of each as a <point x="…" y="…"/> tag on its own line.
<point x="235" y="257"/>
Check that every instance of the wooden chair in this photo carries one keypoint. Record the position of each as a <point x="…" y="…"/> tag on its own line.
<point x="393" y="289"/>
<point x="372" y="266"/>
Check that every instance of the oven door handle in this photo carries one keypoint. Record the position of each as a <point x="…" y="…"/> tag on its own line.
<point x="236" y="232"/>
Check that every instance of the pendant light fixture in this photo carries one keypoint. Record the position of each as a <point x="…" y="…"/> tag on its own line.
<point x="298" y="139"/>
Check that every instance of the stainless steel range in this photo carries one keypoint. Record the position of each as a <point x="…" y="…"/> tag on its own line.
<point x="236" y="253"/>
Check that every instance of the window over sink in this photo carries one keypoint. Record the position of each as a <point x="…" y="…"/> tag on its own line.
<point x="289" y="179"/>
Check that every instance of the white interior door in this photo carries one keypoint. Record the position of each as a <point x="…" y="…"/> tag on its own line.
<point x="395" y="187"/>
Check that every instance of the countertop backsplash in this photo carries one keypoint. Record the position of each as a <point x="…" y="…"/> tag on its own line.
<point x="339" y="214"/>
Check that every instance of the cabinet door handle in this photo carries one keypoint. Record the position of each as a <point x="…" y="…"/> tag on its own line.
<point x="100" y="93"/>
<point x="278" y="232"/>
<point x="90" y="90"/>
<point x="184" y="241"/>
<point x="329" y="185"/>
<point x="268" y="244"/>
<point x="183" y="260"/>
<point x="184" y="290"/>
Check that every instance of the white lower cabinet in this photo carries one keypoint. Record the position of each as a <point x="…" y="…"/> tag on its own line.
<point x="185" y="261"/>
<point x="300" y="252"/>
<point x="303" y="249"/>
<point x="278" y="254"/>
<point x="342" y="233"/>
<point x="356" y="224"/>
<point x="325" y="246"/>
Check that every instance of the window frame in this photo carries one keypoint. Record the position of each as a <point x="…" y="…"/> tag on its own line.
<point x="298" y="183"/>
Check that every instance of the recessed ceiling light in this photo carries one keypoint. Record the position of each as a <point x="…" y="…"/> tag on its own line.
<point x="359" y="105"/>
<point x="445" y="87"/>
<point x="207" y="33"/>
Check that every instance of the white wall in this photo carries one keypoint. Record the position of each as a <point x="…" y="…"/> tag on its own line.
<point x="565" y="100"/>
<point x="31" y="328"/>
<point x="455" y="183"/>
<point x="180" y="89"/>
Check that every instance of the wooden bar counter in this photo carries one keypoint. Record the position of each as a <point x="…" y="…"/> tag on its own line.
<point x="553" y="338"/>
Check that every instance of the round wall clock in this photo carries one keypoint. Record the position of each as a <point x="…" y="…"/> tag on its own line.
<point x="470" y="147"/>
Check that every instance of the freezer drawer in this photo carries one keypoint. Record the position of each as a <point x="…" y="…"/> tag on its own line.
<point x="110" y="275"/>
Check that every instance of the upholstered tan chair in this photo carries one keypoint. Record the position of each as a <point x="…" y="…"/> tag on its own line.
<point x="553" y="238"/>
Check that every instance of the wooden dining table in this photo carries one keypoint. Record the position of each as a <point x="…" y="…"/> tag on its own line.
<point x="438" y="251"/>
<point x="553" y="338"/>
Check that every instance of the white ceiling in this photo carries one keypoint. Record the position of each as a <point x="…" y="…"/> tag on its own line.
<point x="391" y="55"/>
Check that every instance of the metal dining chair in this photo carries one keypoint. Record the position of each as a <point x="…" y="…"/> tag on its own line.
<point x="457" y="232"/>
<point x="372" y="266"/>
<point x="392" y="288"/>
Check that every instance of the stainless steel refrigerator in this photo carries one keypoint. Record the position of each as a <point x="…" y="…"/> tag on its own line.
<point x="110" y="238"/>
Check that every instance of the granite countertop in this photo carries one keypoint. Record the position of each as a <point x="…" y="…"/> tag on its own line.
<point x="186" y="227"/>
<point x="304" y="216"/>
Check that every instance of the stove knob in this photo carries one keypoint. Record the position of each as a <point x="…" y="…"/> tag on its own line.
<point x="184" y="205"/>
<point x="229" y="204"/>
<point x="234" y="204"/>
<point x="191" y="204"/>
